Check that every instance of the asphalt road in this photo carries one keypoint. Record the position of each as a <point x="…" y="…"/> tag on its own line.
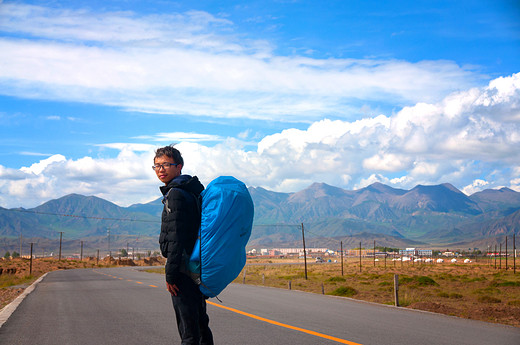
<point x="127" y="306"/>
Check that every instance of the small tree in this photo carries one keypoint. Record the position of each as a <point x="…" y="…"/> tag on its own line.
<point x="15" y="255"/>
<point x="7" y="255"/>
<point x="124" y="253"/>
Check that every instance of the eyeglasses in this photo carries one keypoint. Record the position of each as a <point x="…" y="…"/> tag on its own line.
<point x="164" y="166"/>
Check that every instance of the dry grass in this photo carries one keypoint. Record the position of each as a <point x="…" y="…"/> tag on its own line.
<point x="473" y="291"/>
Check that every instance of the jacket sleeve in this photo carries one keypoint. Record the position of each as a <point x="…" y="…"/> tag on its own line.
<point x="175" y="229"/>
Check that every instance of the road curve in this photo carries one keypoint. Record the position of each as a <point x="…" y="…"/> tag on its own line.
<point x="125" y="305"/>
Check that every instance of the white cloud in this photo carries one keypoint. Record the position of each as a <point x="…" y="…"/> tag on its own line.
<point x="456" y="140"/>
<point x="194" y="63"/>
<point x="175" y="137"/>
<point x="37" y="168"/>
<point x="476" y="186"/>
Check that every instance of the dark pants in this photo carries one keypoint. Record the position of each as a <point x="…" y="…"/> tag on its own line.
<point x="190" y="310"/>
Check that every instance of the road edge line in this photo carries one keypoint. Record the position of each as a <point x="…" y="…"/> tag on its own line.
<point x="6" y="311"/>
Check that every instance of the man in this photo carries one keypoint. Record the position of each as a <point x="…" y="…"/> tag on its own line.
<point x="179" y="231"/>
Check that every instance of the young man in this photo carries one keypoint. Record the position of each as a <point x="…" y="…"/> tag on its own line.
<point x="179" y="231"/>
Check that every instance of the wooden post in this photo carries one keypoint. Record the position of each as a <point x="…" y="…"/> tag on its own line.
<point x="304" y="252"/>
<point x="396" y="289"/>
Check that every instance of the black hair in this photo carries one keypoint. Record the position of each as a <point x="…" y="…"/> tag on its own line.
<point x="169" y="151"/>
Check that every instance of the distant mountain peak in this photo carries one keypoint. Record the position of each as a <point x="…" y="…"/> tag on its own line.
<point x="318" y="190"/>
<point x="379" y="187"/>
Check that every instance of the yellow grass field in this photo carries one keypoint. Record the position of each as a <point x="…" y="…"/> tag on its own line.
<point x="472" y="290"/>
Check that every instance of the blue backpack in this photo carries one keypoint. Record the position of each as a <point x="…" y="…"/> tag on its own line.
<point x="226" y="221"/>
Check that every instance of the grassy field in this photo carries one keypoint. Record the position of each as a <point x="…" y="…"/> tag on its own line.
<point x="472" y="290"/>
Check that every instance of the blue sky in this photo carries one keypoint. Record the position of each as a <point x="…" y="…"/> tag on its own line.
<point x="280" y="94"/>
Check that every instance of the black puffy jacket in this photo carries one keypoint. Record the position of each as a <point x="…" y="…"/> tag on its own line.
<point x="180" y="222"/>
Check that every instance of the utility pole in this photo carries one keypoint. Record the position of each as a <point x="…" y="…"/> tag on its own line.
<point x="359" y="256"/>
<point x="341" y="244"/>
<point x="506" y="253"/>
<point x="30" y="266"/>
<point x="500" y="256"/>
<point x="109" y="252"/>
<point x="81" y="252"/>
<point x="61" y="235"/>
<point x="495" y="255"/>
<point x="514" y="253"/>
<point x="304" y="252"/>
<point x="20" y="242"/>
<point x="374" y="253"/>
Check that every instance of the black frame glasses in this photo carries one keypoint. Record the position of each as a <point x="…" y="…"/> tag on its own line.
<point x="165" y="166"/>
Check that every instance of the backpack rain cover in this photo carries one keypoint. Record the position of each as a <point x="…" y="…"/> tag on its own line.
<point x="226" y="221"/>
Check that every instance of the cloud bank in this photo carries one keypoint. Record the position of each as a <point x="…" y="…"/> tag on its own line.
<point x="470" y="135"/>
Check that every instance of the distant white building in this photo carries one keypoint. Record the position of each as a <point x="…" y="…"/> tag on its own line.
<point x="294" y="251"/>
<point x="415" y="252"/>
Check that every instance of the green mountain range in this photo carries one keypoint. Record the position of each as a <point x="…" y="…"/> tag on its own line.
<point x="438" y="215"/>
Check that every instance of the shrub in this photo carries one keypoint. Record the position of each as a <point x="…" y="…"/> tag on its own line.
<point x="336" y="279"/>
<point x="455" y="295"/>
<point x="344" y="291"/>
<point x="404" y="279"/>
<point x="443" y="294"/>
<point x="424" y="281"/>
<point x="508" y="283"/>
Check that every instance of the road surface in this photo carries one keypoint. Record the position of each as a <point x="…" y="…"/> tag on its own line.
<point x="128" y="306"/>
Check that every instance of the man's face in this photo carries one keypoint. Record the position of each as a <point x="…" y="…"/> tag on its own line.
<point x="166" y="172"/>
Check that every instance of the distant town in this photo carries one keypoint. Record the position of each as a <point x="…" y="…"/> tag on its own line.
<point x="407" y="254"/>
